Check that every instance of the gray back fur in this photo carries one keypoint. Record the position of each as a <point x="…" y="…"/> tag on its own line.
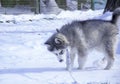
<point x="91" y="32"/>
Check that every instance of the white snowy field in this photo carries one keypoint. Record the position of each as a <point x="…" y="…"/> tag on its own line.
<point x="24" y="58"/>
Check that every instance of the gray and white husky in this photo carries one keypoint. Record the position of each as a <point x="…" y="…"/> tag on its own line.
<point x="79" y="37"/>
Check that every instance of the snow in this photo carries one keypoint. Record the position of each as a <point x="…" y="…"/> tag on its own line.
<point x="24" y="58"/>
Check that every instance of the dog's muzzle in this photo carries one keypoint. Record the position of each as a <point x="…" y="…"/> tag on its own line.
<point x="57" y="52"/>
<point x="59" y="55"/>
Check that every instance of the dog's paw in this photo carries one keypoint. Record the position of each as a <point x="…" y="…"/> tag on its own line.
<point x="80" y="68"/>
<point x="69" y="69"/>
<point x="100" y="63"/>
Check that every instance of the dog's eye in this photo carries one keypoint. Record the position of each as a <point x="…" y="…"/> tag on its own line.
<point x="50" y="48"/>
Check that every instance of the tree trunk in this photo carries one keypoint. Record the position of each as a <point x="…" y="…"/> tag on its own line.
<point x="61" y="3"/>
<point x="35" y="6"/>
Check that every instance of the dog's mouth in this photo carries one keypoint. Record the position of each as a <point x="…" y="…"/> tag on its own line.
<point x="61" y="60"/>
<point x="59" y="57"/>
<point x="58" y="52"/>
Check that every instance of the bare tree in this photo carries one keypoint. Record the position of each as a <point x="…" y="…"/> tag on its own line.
<point x="49" y="6"/>
<point x="72" y="4"/>
<point x="111" y="5"/>
<point x="35" y="6"/>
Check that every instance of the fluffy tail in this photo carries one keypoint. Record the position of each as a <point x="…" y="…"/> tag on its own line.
<point x="115" y="16"/>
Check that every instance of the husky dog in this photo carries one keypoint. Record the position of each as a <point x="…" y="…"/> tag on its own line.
<point x="81" y="36"/>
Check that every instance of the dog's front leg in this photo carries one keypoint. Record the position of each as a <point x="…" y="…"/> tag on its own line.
<point x="68" y="60"/>
<point x="70" y="56"/>
<point x="68" y="63"/>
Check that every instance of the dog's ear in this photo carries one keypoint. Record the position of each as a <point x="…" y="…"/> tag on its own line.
<point x="60" y="39"/>
<point x="58" y="31"/>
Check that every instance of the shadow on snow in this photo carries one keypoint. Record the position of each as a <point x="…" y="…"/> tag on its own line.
<point x="30" y="70"/>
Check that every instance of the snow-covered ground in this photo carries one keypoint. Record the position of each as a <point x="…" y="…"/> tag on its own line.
<point x="24" y="58"/>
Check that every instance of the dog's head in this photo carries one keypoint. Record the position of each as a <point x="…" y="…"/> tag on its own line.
<point x="57" y="44"/>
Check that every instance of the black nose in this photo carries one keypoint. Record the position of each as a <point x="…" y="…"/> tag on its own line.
<point x="61" y="60"/>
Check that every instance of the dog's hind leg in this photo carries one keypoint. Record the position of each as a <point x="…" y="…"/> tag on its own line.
<point x="110" y="61"/>
<point x="110" y="53"/>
